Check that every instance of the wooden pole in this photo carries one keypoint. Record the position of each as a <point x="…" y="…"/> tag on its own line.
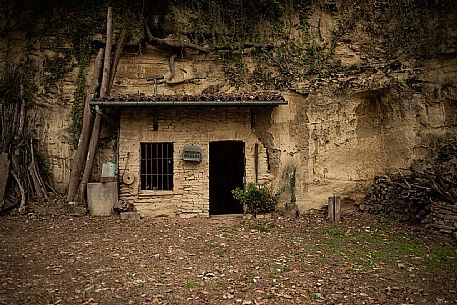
<point x="90" y="154"/>
<point x="104" y="92"/>
<point x="81" y="151"/>
<point x="117" y="56"/>
<point x="107" y="61"/>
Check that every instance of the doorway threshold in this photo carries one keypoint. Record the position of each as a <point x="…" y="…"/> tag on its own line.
<point x="227" y="216"/>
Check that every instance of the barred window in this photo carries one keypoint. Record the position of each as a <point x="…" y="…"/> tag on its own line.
<point x="156" y="166"/>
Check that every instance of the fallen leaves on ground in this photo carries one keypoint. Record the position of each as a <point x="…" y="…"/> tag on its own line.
<point x="363" y="259"/>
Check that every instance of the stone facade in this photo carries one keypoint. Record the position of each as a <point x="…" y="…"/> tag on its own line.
<point x="183" y="126"/>
<point x="332" y="143"/>
<point x="367" y="117"/>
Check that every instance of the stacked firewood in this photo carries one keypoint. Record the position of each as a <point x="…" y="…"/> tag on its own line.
<point x="408" y="195"/>
<point x="21" y="178"/>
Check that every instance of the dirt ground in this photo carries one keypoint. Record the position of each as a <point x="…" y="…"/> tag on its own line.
<point x="364" y="259"/>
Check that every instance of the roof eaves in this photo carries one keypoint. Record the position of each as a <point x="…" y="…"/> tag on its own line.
<point x="133" y="103"/>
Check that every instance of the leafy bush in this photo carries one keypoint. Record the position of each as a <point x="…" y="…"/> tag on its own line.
<point x="256" y="199"/>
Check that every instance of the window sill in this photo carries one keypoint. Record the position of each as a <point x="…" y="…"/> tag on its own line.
<point x="149" y="193"/>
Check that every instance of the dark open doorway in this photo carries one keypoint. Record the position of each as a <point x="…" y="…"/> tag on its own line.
<point x="226" y="172"/>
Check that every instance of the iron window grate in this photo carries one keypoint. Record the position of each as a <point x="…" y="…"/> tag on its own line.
<point x="156" y="170"/>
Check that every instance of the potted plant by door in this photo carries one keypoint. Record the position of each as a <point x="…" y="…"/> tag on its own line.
<point x="256" y="199"/>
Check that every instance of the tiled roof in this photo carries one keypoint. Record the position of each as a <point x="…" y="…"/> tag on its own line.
<point x="219" y="99"/>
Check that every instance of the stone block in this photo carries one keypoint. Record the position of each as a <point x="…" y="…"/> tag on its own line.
<point x="130" y="216"/>
<point x="74" y="209"/>
<point x="188" y="215"/>
<point x="446" y="231"/>
<point x="101" y="198"/>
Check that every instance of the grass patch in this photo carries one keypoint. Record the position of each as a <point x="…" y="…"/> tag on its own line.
<point x="441" y="257"/>
<point x="214" y="247"/>
<point x="270" y="295"/>
<point x="369" y="247"/>
<point x="221" y="251"/>
<point x="277" y="269"/>
<point x="262" y="228"/>
<point x="273" y="274"/>
<point x="313" y="297"/>
<point x="191" y="284"/>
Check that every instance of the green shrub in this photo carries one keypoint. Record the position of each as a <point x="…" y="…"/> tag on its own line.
<point x="256" y="199"/>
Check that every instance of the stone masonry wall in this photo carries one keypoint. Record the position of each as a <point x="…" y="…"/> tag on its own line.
<point x="442" y="218"/>
<point x="183" y="126"/>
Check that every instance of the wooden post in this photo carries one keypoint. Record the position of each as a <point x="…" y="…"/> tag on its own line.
<point x="331" y="208"/>
<point x="84" y="137"/>
<point x="334" y="208"/>
<point x="337" y="208"/>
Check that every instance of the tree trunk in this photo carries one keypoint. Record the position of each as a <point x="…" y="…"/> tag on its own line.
<point x="84" y="137"/>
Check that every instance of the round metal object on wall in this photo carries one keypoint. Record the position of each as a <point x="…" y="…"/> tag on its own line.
<point x="128" y="178"/>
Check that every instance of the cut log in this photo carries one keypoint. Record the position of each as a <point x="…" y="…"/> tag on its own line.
<point x="84" y="137"/>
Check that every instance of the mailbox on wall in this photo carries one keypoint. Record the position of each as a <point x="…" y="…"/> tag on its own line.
<point x="192" y="153"/>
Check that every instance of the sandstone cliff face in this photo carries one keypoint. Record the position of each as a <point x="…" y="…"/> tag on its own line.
<point x="364" y="112"/>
